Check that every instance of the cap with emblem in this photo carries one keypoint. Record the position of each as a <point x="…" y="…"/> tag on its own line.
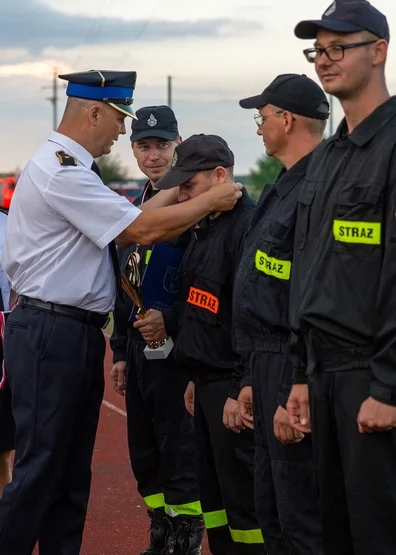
<point x="292" y="92"/>
<point x="155" y="121"/>
<point x="346" y="16"/>
<point x="112" y="87"/>
<point x="196" y="154"/>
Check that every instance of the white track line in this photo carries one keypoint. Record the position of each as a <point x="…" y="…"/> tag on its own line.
<point x="114" y="408"/>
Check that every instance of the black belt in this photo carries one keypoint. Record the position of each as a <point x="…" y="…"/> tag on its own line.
<point x="87" y="316"/>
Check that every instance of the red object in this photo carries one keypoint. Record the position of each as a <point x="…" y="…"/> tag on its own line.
<point x="7" y="188"/>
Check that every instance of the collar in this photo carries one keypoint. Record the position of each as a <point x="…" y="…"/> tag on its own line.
<point x="73" y="148"/>
<point x="288" y="179"/>
<point x="369" y="127"/>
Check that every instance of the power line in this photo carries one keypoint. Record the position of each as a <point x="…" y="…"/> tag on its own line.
<point x="97" y="21"/>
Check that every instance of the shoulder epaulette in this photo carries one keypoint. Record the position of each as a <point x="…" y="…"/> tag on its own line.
<point x="65" y="159"/>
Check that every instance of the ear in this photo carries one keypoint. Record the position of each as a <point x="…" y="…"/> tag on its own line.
<point x="380" y="52"/>
<point x="288" y="120"/>
<point x="220" y="175"/>
<point x="94" y="115"/>
<point x="179" y="139"/>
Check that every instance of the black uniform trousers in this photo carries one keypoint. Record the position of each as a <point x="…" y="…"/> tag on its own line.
<point x="7" y="424"/>
<point x="55" y="371"/>
<point x="225" y="462"/>
<point x="356" y="472"/>
<point x="286" y="493"/>
<point x="160" y="430"/>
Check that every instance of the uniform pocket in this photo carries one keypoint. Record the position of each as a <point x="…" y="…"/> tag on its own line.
<point x="304" y="205"/>
<point x="203" y="300"/>
<point x="270" y="280"/>
<point x="357" y="223"/>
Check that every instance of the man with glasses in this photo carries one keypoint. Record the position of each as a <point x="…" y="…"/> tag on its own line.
<point x="293" y="111"/>
<point x="343" y="297"/>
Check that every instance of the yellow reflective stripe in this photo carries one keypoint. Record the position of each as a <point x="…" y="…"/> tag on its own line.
<point x="191" y="509"/>
<point x="368" y="233"/>
<point x="247" y="536"/>
<point x="155" y="501"/>
<point x="215" y="519"/>
<point x="147" y="257"/>
<point x="280" y="269"/>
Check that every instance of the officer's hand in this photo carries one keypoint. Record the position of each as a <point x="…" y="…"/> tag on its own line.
<point x="376" y="417"/>
<point x="231" y="417"/>
<point x="189" y="398"/>
<point x="117" y="377"/>
<point x="282" y="429"/>
<point x="245" y="401"/>
<point x="298" y="408"/>
<point x="152" y="327"/>
<point x="224" y="196"/>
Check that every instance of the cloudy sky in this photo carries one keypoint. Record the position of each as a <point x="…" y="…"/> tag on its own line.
<point x="217" y="52"/>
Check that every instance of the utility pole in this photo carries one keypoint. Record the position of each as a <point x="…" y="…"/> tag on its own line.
<point x="170" y="91"/>
<point x="54" y="98"/>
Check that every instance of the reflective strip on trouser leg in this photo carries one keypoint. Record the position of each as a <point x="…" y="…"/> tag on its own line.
<point x="247" y="536"/>
<point x="155" y="501"/>
<point x="215" y="519"/>
<point x="188" y="509"/>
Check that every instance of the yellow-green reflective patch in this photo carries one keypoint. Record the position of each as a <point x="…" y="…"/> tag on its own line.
<point x="280" y="269"/>
<point x="215" y="519"/>
<point x="147" y="257"/>
<point x="190" y="509"/>
<point x="155" y="501"/>
<point x="367" y="233"/>
<point x="247" y="536"/>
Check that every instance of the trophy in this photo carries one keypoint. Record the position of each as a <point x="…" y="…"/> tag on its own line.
<point x="131" y="284"/>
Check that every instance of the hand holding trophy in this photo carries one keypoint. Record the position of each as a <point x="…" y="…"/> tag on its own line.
<point x="131" y="284"/>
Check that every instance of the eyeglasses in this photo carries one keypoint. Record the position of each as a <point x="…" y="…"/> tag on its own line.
<point x="335" y="52"/>
<point x="260" y="120"/>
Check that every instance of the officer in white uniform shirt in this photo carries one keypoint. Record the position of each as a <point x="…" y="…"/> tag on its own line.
<point x="58" y="255"/>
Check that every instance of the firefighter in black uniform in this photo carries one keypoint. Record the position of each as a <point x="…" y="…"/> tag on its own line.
<point x="204" y="345"/>
<point x="160" y="430"/>
<point x="292" y="117"/>
<point x="343" y="292"/>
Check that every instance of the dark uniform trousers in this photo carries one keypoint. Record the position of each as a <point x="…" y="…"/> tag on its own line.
<point x="55" y="370"/>
<point x="286" y="493"/>
<point x="160" y="431"/>
<point x="356" y="472"/>
<point x="226" y="464"/>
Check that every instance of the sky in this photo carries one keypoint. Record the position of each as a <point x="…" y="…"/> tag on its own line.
<point x="217" y="52"/>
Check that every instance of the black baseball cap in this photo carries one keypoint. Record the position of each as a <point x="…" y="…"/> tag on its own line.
<point x="155" y="121"/>
<point x="196" y="154"/>
<point x="345" y="16"/>
<point x="292" y="92"/>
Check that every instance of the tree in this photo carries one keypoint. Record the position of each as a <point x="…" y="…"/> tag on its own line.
<point x="265" y="173"/>
<point x="112" y="169"/>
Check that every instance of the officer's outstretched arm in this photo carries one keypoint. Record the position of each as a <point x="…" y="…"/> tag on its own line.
<point x="161" y="224"/>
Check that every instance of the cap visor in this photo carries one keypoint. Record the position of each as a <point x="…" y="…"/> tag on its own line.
<point x="174" y="178"/>
<point x="252" y="102"/>
<point x="154" y="133"/>
<point x="309" y="29"/>
<point x="126" y="110"/>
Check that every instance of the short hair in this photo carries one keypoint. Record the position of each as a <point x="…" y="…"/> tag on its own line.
<point x="312" y="125"/>
<point x="229" y="170"/>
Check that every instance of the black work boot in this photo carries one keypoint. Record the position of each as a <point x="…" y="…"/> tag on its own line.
<point x="186" y="535"/>
<point x="160" y="529"/>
